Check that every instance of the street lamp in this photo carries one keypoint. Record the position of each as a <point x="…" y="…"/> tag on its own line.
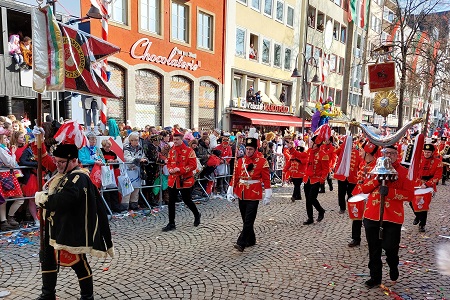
<point x="93" y="13"/>
<point x="305" y="90"/>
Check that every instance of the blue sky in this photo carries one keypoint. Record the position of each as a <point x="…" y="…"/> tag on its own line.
<point x="70" y="7"/>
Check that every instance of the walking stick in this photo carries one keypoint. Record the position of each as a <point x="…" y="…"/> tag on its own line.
<point x="383" y="190"/>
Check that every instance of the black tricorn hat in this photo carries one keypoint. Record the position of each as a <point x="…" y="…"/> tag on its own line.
<point x="251" y="142"/>
<point x="68" y="151"/>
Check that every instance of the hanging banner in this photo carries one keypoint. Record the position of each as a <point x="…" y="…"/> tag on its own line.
<point x="381" y="77"/>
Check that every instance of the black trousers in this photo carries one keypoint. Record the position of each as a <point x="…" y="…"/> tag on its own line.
<point x="187" y="199"/>
<point x="420" y="215"/>
<point x="390" y="243"/>
<point x="249" y="210"/>
<point x="311" y="193"/>
<point x="356" y="230"/>
<point x="49" y="270"/>
<point x="345" y="190"/>
<point x="297" y="193"/>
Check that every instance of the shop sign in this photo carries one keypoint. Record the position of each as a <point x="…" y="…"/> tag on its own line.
<point x="175" y="58"/>
<point x="241" y="103"/>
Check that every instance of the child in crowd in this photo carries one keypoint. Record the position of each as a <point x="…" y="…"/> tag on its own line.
<point x="211" y="165"/>
<point x="14" y="50"/>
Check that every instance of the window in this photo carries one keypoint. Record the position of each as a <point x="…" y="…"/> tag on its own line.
<point x="312" y="17"/>
<point x="254" y="45"/>
<point x="290" y="17"/>
<point x="277" y="55"/>
<point x="343" y="34"/>
<point x="358" y="45"/>
<point x="320" y="21"/>
<point x="237" y="82"/>
<point x="119" y="11"/>
<point x="338" y="98"/>
<point x="151" y="16"/>
<point x="331" y="93"/>
<point x="375" y="23"/>
<point x="268" y="7"/>
<point x="240" y="42"/>
<point x="340" y="65"/>
<point x="180" y="21"/>
<point x="204" y="30"/>
<point x="243" y="1"/>
<point x="313" y="92"/>
<point x="280" y="11"/>
<point x="388" y="15"/>
<point x="332" y="63"/>
<point x="256" y="4"/>
<point x="287" y="59"/>
<point x="317" y="53"/>
<point x="308" y="52"/>
<point x="336" y="28"/>
<point x="266" y="51"/>
<point x="337" y="2"/>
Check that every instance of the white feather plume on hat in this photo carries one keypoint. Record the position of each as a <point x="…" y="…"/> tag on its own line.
<point x="252" y="133"/>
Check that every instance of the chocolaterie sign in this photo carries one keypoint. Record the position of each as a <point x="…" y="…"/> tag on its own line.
<point x="264" y="107"/>
<point x="176" y="58"/>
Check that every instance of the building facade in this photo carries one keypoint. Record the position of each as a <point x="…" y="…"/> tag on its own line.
<point x="170" y="67"/>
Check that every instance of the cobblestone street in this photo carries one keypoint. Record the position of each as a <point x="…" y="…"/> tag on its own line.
<point x="289" y="261"/>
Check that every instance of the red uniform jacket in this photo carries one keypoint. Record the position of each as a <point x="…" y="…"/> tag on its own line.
<point x="244" y="189"/>
<point x="184" y="158"/>
<point x="363" y="171"/>
<point x="399" y="191"/>
<point x="213" y="161"/>
<point x="225" y="148"/>
<point x="430" y="171"/>
<point x="329" y="149"/>
<point x="318" y="166"/>
<point x="47" y="161"/>
<point x="355" y="160"/>
<point x="297" y="163"/>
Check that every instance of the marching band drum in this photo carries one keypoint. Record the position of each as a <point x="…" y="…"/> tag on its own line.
<point x="356" y="206"/>
<point x="422" y="199"/>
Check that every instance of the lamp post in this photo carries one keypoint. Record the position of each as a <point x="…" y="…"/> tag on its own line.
<point x="305" y="90"/>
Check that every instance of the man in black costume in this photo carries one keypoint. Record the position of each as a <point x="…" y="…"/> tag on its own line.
<point x="76" y="224"/>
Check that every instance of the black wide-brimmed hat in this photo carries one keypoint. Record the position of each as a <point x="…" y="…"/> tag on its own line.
<point x="68" y="151"/>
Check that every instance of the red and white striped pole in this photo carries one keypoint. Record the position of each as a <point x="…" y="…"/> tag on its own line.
<point x="105" y="12"/>
<point x="322" y="88"/>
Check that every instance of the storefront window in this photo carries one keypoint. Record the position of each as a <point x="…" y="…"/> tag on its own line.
<point x="180" y="101"/>
<point x="148" y="98"/>
<point x="117" y="107"/>
<point x="207" y="105"/>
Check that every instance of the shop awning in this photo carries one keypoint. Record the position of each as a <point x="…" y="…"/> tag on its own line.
<point x="272" y="119"/>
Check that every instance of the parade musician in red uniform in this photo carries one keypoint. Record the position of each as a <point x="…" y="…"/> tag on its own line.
<point x="251" y="175"/>
<point x="297" y="167"/>
<point x="395" y="194"/>
<point x="181" y="163"/>
<point x="430" y="172"/>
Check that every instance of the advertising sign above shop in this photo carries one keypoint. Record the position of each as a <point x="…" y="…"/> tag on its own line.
<point x="176" y="58"/>
<point x="264" y="106"/>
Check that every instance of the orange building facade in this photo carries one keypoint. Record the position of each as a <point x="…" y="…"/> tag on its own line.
<point x="170" y="67"/>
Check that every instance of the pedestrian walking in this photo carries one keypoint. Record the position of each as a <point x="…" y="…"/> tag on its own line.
<point x="181" y="163"/>
<point x="251" y="176"/>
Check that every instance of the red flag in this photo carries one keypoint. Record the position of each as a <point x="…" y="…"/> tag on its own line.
<point x="81" y="52"/>
<point x="117" y="149"/>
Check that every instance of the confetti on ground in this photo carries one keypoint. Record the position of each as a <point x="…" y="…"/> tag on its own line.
<point x="325" y="266"/>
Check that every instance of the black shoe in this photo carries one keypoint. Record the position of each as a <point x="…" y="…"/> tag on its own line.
<point x="393" y="274"/>
<point x="169" y="227"/>
<point x="421" y="228"/>
<point x="293" y="199"/>
<point x="331" y="188"/>
<point x="372" y="283"/>
<point x="443" y="183"/>
<point x="321" y="191"/>
<point x="416" y="221"/>
<point x="197" y="220"/>
<point x="238" y="248"/>
<point x="134" y="206"/>
<point x="342" y="211"/>
<point x="320" y="217"/>
<point x="250" y="244"/>
<point x="354" y="243"/>
<point x="309" y="221"/>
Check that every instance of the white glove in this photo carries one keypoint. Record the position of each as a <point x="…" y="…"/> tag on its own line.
<point x="267" y="197"/>
<point x="38" y="130"/>
<point x="230" y="195"/>
<point x="446" y="156"/>
<point x="41" y="198"/>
